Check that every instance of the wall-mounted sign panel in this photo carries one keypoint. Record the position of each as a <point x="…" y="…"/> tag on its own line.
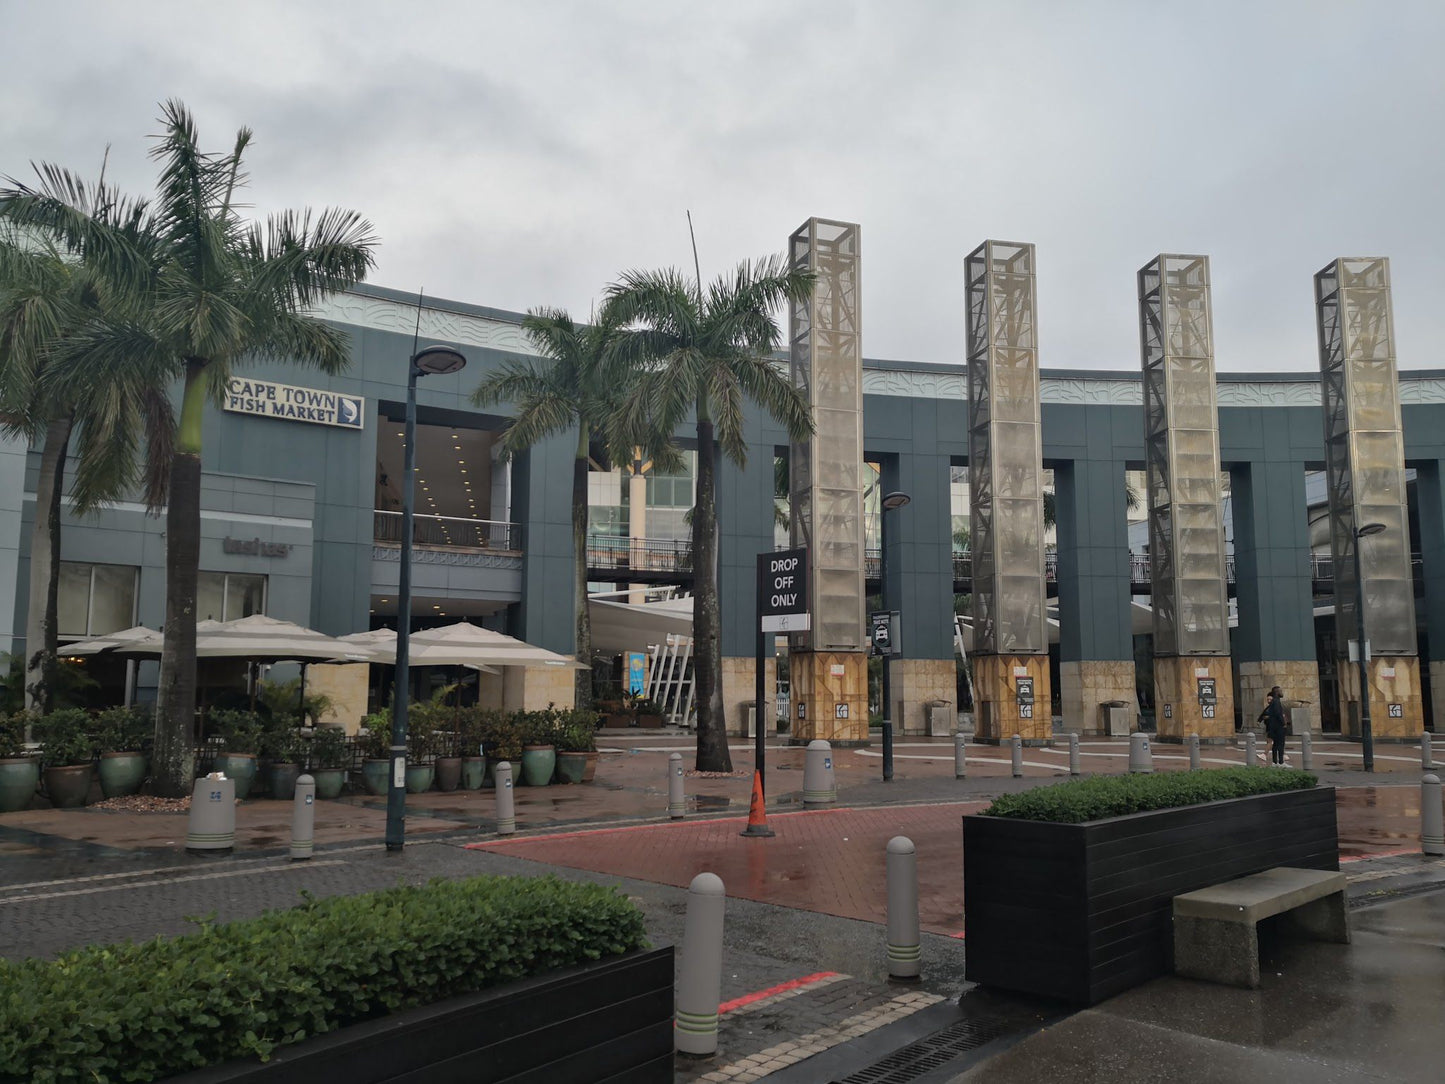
<point x="267" y="399"/>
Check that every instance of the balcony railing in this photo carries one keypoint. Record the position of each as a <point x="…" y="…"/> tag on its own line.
<point x="449" y="532"/>
<point x="639" y="554"/>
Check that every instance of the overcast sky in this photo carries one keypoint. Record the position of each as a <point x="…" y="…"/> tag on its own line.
<point x="523" y="154"/>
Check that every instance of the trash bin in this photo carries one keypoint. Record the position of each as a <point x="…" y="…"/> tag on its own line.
<point x="938" y="714"/>
<point x="1115" y="721"/>
<point x="750" y="718"/>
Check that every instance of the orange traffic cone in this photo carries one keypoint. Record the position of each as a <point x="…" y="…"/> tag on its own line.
<point x="757" y="813"/>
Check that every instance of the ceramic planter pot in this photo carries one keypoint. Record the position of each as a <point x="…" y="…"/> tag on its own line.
<point x="419" y="778"/>
<point x="591" y="769"/>
<point x="571" y="767"/>
<point x="329" y="782"/>
<point x="18" y="777"/>
<point x="239" y="768"/>
<point x="375" y="773"/>
<point x="449" y="773"/>
<point x="474" y="771"/>
<point x="68" y="787"/>
<point x="538" y="764"/>
<point x="121" y="773"/>
<point x="283" y="776"/>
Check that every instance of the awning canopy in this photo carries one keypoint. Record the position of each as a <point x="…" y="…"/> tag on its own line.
<point x="459" y="644"/>
<point x="137" y="637"/>
<point x="257" y="638"/>
<point x="623" y="626"/>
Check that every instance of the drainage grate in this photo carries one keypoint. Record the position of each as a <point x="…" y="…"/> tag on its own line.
<point x="930" y="1053"/>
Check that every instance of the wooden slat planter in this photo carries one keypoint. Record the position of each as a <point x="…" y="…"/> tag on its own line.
<point x="609" y="1022"/>
<point x="1081" y="912"/>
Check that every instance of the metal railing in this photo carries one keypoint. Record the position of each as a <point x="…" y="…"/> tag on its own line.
<point x="641" y="554"/>
<point x="449" y="532"/>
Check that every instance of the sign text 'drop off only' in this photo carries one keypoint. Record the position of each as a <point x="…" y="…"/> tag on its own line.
<point x="783" y="591"/>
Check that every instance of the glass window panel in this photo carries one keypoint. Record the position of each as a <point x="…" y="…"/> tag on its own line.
<point x="112" y="605"/>
<point x="74" y="599"/>
<point x="210" y="596"/>
<point x="245" y="595"/>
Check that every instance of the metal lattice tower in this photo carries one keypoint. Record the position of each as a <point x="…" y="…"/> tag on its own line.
<point x="1181" y="436"/>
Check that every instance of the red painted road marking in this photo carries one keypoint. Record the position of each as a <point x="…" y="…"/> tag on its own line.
<point x="773" y="991"/>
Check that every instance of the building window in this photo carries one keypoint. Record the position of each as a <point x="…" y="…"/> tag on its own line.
<point x="227" y="596"/>
<point x="95" y="599"/>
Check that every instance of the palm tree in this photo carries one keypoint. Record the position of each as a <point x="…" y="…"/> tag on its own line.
<point x="216" y="289"/>
<point x="573" y="386"/>
<point x="705" y="353"/>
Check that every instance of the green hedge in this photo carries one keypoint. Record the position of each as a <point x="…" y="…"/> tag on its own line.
<point x="1115" y="795"/>
<point x="138" y="1012"/>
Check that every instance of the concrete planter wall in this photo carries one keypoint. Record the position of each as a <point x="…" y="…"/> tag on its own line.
<point x="1081" y="912"/>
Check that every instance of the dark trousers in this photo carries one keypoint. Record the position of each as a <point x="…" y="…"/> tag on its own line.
<point x="1276" y="752"/>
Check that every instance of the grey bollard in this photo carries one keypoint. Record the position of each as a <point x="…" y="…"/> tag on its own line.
<point x="905" y="948"/>
<point x="506" y="809"/>
<point x="1427" y="755"/>
<point x="1306" y="752"/>
<point x="832" y="778"/>
<point x="699" y="977"/>
<point x="1432" y="816"/>
<point x="817" y="767"/>
<point x="1194" y="752"/>
<point x="1249" y="754"/>
<point x="676" y="798"/>
<point x="1073" y="754"/>
<point x="211" y="824"/>
<point x="303" y="818"/>
<point x="1141" y="760"/>
<point x="960" y="755"/>
<point x="1017" y="756"/>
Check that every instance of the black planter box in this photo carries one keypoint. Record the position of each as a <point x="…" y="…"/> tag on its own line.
<point x="604" y="1022"/>
<point x="1081" y="912"/>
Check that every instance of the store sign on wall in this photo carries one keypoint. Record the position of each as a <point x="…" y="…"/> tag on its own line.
<point x="267" y="399"/>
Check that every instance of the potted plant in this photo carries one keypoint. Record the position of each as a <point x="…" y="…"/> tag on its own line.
<point x="577" y="747"/>
<point x="648" y="711"/>
<point x="121" y="734"/>
<point x="539" y="754"/>
<point x="327" y="759"/>
<point x="376" y="751"/>
<point x="503" y="740"/>
<point x="19" y="774"/>
<point x="68" y="756"/>
<point x="241" y="732"/>
<point x="469" y="745"/>
<point x="284" y="752"/>
<point x="420" y="763"/>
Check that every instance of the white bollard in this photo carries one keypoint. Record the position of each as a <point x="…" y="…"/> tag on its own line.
<point x="1017" y="756"/>
<point x="1249" y="753"/>
<point x="1427" y="755"/>
<point x="817" y="767"/>
<point x="1306" y="752"/>
<point x="905" y="947"/>
<point x="303" y="818"/>
<point x="699" y="978"/>
<point x="960" y="755"/>
<point x="1141" y="760"/>
<point x="211" y="824"/>
<point x="676" y="798"/>
<point x="1194" y="752"/>
<point x="506" y="810"/>
<point x="1432" y="816"/>
<point x="1073" y="754"/>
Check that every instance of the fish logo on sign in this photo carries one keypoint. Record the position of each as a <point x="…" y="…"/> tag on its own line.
<point x="348" y="411"/>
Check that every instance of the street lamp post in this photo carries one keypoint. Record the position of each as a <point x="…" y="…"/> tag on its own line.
<point x="1367" y="736"/>
<point x="433" y="361"/>
<point x="891" y="501"/>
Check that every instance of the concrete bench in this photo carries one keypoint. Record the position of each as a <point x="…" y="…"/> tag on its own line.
<point x="1216" y="929"/>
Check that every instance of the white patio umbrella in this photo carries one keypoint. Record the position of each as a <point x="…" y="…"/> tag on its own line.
<point x="380" y="647"/>
<point x="138" y="636"/>
<point x="465" y="644"/>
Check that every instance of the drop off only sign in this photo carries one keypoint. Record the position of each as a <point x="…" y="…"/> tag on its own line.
<point x="783" y="591"/>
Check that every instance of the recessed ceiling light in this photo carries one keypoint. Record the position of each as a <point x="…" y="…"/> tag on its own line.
<point x="436" y="607"/>
<point x="464" y="470"/>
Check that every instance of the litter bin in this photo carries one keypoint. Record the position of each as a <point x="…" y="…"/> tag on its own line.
<point x="1115" y="721"/>
<point x="938" y="715"/>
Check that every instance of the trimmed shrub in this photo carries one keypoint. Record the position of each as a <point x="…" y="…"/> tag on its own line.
<point x="140" y="1012"/>
<point x="1103" y="796"/>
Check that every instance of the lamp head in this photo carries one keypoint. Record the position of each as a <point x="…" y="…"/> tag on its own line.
<point x="896" y="499"/>
<point x="438" y="361"/>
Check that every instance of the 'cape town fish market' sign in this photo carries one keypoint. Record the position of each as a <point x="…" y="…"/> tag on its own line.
<point x="267" y="399"/>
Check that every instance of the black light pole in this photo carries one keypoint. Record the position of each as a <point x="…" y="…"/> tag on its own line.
<point x="433" y="361"/>
<point x="896" y="499"/>
<point x="1367" y="735"/>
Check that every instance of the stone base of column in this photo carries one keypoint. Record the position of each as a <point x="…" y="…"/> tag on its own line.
<point x="830" y="696"/>
<point x="1086" y="684"/>
<point x="1178" y="712"/>
<point x="918" y="683"/>
<point x="738" y="692"/>
<point x="1000" y="715"/>
<point x="1298" y="679"/>
<point x="1394" y="686"/>
<point x="535" y="688"/>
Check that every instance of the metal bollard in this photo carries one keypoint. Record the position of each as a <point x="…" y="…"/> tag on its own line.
<point x="1073" y="754"/>
<point x="1306" y="752"/>
<point x="1194" y="752"/>
<point x="211" y="824"/>
<point x="1141" y="760"/>
<point x="699" y="978"/>
<point x="1427" y="755"/>
<point x="506" y="811"/>
<point x="1249" y="754"/>
<point x="817" y="768"/>
<point x="960" y="755"/>
<point x="303" y="818"/>
<point x="676" y="799"/>
<point x="1432" y="816"/>
<point x="905" y="948"/>
<point x="832" y="779"/>
<point x="1018" y="755"/>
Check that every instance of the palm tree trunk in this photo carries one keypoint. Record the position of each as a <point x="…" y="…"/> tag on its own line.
<point x="712" y="739"/>
<point x="173" y="762"/>
<point x="42" y="618"/>
<point x="579" y="569"/>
